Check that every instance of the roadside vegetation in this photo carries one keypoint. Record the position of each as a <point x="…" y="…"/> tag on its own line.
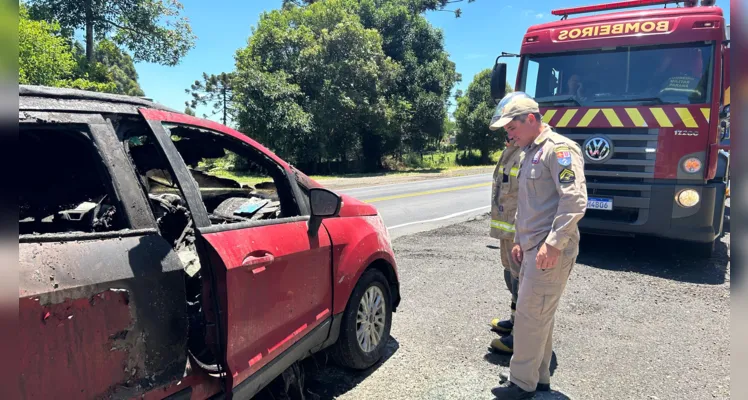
<point x="337" y="87"/>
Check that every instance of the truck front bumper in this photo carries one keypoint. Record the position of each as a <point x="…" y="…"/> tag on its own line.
<point x="657" y="214"/>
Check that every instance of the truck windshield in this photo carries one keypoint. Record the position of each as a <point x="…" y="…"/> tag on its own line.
<point x="626" y="75"/>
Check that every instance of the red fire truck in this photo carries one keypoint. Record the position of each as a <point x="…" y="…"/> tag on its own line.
<point x="645" y="93"/>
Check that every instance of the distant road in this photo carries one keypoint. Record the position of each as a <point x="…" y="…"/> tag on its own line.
<point x="416" y="206"/>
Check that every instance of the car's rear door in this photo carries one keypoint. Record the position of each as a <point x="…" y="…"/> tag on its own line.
<point x="272" y="278"/>
<point x="101" y="293"/>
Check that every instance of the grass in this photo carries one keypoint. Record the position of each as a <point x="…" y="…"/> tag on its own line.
<point x="435" y="163"/>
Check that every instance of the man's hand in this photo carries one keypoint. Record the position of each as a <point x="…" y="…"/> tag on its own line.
<point x="547" y="257"/>
<point x="517" y="254"/>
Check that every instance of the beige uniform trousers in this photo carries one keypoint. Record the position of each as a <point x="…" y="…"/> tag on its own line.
<point x="538" y="299"/>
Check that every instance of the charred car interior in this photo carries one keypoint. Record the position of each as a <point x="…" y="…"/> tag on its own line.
<point x="64" y="185"/>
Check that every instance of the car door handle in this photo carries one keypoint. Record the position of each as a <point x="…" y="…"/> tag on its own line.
<point x="254" y="261"/>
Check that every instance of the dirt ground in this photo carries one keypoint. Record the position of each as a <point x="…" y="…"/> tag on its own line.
<point x="640" y="319"/>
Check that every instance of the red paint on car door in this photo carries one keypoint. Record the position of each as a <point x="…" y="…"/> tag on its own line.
<point x="277" y="283"/>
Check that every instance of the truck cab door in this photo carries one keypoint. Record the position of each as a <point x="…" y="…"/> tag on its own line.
<point x="267" y="279"/>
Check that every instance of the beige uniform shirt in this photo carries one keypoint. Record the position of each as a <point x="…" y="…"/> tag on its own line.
<point x="504" y="193"/>
<point x="552" y="192"/>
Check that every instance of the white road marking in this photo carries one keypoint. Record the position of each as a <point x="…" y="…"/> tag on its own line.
<point x="440" y="218"/>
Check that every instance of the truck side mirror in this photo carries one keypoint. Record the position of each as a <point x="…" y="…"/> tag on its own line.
<point x="498" y="81"/>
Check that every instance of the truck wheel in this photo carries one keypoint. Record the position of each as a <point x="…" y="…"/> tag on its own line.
<point x="365" y="328"/>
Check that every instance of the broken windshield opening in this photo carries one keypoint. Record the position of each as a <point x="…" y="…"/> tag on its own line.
<point x="625" y="75"/>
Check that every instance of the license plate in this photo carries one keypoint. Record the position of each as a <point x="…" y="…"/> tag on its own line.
<point x="597" y="203"/>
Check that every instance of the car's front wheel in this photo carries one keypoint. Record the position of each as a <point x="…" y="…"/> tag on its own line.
<point x="365" y="328"/>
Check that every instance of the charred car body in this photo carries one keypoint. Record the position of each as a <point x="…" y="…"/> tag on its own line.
<point x="146" y="272"/>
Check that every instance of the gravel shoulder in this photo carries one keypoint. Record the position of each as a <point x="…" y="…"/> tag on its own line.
<point x="639" y="320"/>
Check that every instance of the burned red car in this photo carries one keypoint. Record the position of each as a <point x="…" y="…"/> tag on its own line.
<point x="148" y="269"/>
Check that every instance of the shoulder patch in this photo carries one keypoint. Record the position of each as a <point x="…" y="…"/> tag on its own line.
<point x="563" y="155"/>
<point x="566" y="176"/>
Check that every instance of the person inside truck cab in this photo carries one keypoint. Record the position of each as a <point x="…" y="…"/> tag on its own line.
<point x="681" y="73"/>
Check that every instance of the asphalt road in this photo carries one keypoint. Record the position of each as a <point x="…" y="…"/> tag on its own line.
<point x="418" y="206"/>
<point x="639" y="320"/>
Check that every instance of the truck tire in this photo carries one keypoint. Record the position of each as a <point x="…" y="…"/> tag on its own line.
<point x="368" y="315"/>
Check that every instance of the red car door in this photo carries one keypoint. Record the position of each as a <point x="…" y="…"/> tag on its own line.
<point x="273" y="278"/>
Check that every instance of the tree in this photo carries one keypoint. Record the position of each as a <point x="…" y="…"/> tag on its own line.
<point x="474" y="111"/>
<point x="218" y="90"/>
<point x="45" y="58"/>
<point x="189" y="111"/>
<point x="151" y="29"/>
<point x="314" y="84"/>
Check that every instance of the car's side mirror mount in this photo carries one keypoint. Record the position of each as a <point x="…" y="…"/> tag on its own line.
<point x="324" y="204"/>
<point x="498" y="81"/>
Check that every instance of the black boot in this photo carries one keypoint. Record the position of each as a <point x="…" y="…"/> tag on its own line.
<point x="542" y="387"/>
<point x="510" y="391"/>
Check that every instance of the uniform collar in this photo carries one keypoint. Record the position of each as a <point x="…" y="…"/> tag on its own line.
<point x="541" y="137"/>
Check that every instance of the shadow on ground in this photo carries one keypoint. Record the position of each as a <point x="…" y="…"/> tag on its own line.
<point x="668" y="259"/>
<point x="317" y="378"/>
<point x="503" y="360"/>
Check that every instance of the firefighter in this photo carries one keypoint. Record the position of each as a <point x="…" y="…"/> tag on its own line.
<point x="552" y="198"/>
<point x="503" y="209"/>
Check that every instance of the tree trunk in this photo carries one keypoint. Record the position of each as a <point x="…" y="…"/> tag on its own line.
<point x="89" y="33"/>
<point x="224" y="105"/>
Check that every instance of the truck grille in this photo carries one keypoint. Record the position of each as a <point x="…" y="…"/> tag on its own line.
<point x="626" y="177"/>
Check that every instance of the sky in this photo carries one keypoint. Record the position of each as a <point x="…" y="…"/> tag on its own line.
<point x="473" y="41"/>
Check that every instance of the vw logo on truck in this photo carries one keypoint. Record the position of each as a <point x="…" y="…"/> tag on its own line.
<point x="597" y="149"/>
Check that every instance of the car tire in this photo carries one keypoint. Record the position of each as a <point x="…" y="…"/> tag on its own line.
<point x="347" y="351"/>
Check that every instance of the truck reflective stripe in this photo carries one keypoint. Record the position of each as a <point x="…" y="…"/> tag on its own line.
<point x="548" y="116"/>
<point x="568" y="115"/>
<point x="504" y="226"/>
<point x="612" y="118"/>
<point x="636" y="117"/>
<point x="588" y="117"/>
<point x="661" y="117"/>
<point x="686" y="117"/>
<point x="707" y="113"/>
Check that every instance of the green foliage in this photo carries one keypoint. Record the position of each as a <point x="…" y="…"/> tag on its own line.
<point x="473" y="115"/>
<point x="345" y="81"/>
<point x="46" y="59"/>
<point x="151" y="29"/>
<point x="216" y="90"/>
<point x="115" y="66"/>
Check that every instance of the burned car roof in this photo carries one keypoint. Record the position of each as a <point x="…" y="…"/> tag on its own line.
<point x="52" y="98"/>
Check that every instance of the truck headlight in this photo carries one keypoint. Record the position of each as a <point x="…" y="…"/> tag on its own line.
<point x="692" y="165"/>
<point x="687" y="198"/>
